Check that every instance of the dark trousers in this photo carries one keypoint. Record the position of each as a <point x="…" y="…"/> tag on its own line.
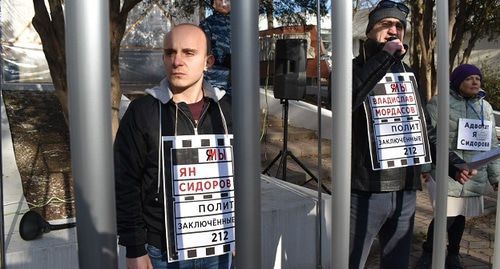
<point x="455" y="227"/>
<point x="388" y="215"/>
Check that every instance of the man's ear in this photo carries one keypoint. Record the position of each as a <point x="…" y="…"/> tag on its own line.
<point x="210" y="61"/>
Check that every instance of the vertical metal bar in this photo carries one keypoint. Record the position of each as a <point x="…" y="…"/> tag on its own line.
<point x="284" y="156"/>
<point x="319" y="204"/>
<point x="88" y="62"/>
<point x="245" y="81"/>
<point x="443" y="136"/>
<point x="496" y="249"/>
<point x="341" y="136"/>
<point x="2" y="220"/>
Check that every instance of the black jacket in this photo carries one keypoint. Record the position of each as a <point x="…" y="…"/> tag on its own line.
<point x="139" y="195"/>
<point x="369" y="68"/>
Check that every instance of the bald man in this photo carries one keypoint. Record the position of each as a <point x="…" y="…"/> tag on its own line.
<point x="183" y="106"/>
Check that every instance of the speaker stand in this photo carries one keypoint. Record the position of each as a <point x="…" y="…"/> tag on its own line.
<point x="284" y="153"/>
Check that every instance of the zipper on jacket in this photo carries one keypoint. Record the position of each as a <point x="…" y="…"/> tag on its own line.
<point x="195" y="123"/>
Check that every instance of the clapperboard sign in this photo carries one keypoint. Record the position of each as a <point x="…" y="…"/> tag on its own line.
<point x="396" y="126"/>
<point x="200" y="218"/>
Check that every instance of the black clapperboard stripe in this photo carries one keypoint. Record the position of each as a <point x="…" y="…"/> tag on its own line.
<point x="402" y="162"/>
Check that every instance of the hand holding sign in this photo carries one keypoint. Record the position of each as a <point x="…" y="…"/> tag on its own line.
<point x="464" y="175"/>
<point x="480" y="159"/>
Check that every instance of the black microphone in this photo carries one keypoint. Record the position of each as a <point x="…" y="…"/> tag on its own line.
<point x="397" y="53"/>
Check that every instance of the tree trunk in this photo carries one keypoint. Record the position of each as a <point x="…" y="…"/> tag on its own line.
<point x="116" y="91"/>
<point x="201" y="10"/>
<point x="466" y="55"/>
<point x="424" y="44"/>
<point x="51" y="31"/>
<point x="269" y="10"/>
<point x="51" y="34"/>
<point x="458" y="32"/>
<point x="118" y="22"/>
<point x="417" y="21"/>
<point x="117" y="30"/>
<point x="452" y="13"/>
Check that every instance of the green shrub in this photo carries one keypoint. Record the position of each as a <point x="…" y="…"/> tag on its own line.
<point x="491" y="84"/>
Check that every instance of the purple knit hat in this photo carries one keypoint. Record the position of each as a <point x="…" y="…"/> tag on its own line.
<point x="461" y="72"/>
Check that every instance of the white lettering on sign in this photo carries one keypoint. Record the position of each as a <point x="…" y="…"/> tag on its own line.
<point x="474" y="134"/>
<point x="392" y="100"/>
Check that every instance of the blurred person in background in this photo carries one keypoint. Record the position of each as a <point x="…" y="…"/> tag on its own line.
<point x="218" y="29"/>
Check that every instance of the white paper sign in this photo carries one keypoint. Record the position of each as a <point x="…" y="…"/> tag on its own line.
<point x="201" y="219"/>
<point x="474" y="134"/>
<point x="396" y="124"/>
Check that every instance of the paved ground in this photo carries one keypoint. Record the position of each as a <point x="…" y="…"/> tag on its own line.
<point x="478" y="239"/>
<point x="479" y="235"/>
<point x="477" y="242"/>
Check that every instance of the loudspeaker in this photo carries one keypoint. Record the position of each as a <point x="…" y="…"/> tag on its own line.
<point x="290" y="69"/>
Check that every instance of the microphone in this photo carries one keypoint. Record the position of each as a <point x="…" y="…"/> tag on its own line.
<point x="398" y="52"/>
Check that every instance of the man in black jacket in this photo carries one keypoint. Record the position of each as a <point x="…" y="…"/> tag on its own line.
<point x="167" y="151"/>
<point x="389" y="142"/>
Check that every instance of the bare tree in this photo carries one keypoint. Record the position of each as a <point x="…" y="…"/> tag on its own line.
<point x="268" y="8"/>
<point x="50" y="27"/>
<point x="49" y="21"/>
<point x="424" y="43"/>
<point x="473" y="22"/>
<point x="470" y="21"/>
<point x="51" y="31"/>
<point x="118" y="21"/>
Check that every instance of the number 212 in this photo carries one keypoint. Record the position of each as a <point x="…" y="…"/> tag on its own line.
<point x="219" y="236"/>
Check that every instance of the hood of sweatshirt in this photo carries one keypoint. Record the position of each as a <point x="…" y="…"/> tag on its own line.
<point x="163" y="93"/>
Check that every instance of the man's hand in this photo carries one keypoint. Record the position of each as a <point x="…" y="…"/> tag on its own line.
<point x="464" y="175"/>
<point x="394" y="47"/>
<point x="142" y="262"/>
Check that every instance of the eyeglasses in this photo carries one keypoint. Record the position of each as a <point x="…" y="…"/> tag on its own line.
<point x="391" y="4"/>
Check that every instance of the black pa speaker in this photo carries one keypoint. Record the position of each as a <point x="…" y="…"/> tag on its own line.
<point x="290" y="69"/>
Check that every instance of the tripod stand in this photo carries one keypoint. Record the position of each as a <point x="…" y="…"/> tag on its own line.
<point x="284" y="153"/>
